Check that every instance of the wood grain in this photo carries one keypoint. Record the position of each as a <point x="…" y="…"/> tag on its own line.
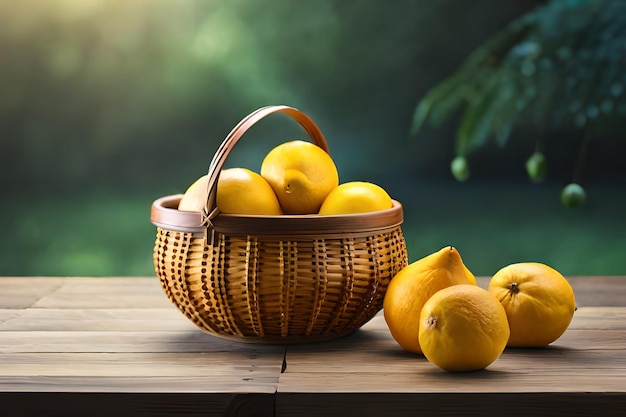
<point x="136" y="404"/>
<point x="116" y="345"/>
<point x="580" y="361"/>
<point x="342" y="404"/>
<point x="95" y="319"/>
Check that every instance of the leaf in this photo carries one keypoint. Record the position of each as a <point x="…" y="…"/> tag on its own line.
<point x="493" y="113"/>
<point x="503" y="133"/>
<point x="506" y="115"/>
<point x="457" y="97"/>
<point x="562" y="62"/>
<point x="439" y="102"/>
<point x="476" y="124"/>
<point x="420" y="115"/>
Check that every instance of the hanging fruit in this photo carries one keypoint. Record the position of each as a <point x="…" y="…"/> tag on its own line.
<point x="537" y="167"/>
<point x="460" y="168"/>
<point x="573" y="195"/>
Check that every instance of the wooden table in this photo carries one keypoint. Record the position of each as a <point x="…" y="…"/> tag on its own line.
<point x="117" y="347"/>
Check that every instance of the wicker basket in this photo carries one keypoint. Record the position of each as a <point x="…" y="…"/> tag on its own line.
<point x="275" y="279"/>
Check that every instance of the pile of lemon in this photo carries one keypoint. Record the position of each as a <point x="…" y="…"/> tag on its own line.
<point x="434" y="307"/>
<point x="296" y="177"/>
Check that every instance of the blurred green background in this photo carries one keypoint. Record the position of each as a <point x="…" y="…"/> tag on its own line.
<point x="107" y="105"/>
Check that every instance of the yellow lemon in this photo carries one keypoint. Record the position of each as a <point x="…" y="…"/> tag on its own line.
<point x="194" y="198"/>
<point x="242" y="191"/>
<point x="410" y="288"/>
<point x="356" y="197"/>
<point x="301" y="174"/>
<point x="538" y="300"/>
<point x="463" y="328"/>
<point x="239" y="191"/>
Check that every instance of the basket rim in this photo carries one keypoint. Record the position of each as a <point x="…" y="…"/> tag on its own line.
<point x="165" y="214"/>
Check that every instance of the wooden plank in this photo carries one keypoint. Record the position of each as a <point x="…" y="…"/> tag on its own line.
<point x="375" y="335"/>
<point x="426" y="379"/>
<point x="211" y="384"/>
<point x="599" y="291"/>
<point x="6" y="315"/>
<point x="81" y="292"/>
<point x="110" y="292"/>
<point x="119" y="404"/>
<point x="118" y="342"/>
<point x="514" y="371"/>
<point x="582" y="360"/>
<point x="375" y="404"/>
<point x="120" y="319"/>
<point x="22" y="292"/>
<point x="217" y="373"/>
<point x="67" y="339"/>
<point x="599" y="318"/>
<point x="562" y="357"/>
<point x="238" y="365"/>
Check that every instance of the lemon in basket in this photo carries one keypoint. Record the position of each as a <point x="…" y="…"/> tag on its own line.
<point x="301" y="174"/>
<point x="195" y="196"/>
<point x="239" y="191"/>
<point x="356" y="197"/>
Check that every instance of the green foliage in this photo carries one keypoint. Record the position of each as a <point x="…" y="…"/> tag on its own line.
<point x="107" y="105"/>
<point x="561" y="64"/>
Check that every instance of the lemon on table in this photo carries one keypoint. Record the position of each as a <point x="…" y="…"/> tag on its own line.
<point x="356" y="197"/>
<point x="239" y="191"/>
<point x="538" y="300"/>
<point x="301" y="174"/>
<point x="463" y="328"/>
<point x="410" y="288"/>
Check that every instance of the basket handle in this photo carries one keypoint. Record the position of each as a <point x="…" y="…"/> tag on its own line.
<point x="217" y="163"/>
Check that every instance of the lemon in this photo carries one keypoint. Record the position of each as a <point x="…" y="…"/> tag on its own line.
<point x="463" y="328"/>
<point x="538" y="300"/>
<point x="302" y="174"/>
<point x="239" y="191"/>
<point x="356" y="197"/>
<point x="242" y="191"/>
<point x="195" y="197"/>
<point x="410" y="288"/>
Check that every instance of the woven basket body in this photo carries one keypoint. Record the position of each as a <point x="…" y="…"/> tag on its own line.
<point x="275" y="279"/>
